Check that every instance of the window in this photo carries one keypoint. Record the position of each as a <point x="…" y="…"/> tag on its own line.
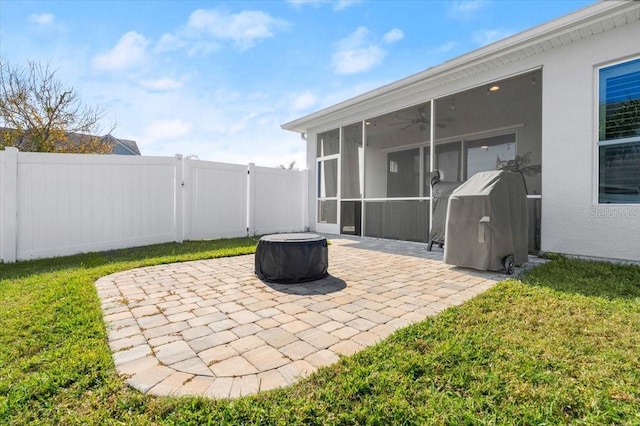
<point x="487" y="153"/>
<point x="619" y="133"/>
<point x="403" y="179"/>
<point x="448" y="161"/>
<point x="328" y="143"/>
<point x="328" y="178"/>
<point x="352" y="154"/>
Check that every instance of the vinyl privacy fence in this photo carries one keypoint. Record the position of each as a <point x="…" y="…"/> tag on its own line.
<point x="61" y="204"/>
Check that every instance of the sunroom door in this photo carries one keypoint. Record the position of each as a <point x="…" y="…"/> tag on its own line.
<point x="327" y="180"/>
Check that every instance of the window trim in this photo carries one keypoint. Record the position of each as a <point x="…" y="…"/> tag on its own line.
<point x="596" y="131"/>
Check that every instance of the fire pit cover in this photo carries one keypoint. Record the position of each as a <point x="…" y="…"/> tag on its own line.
<point x="291" y="258"/>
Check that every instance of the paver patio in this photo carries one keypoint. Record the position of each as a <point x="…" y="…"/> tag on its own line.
<point x="212" y="328"/>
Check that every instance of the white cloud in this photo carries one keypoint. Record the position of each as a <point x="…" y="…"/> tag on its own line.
<point x="169" y="42"/>
<point x="303" y="101"/>
<point x="465" y="9"/>
<point x="357" y="53"/>
<point x="225" y="124"/>
<point x="301" y="3"/>
<point x="166" y="130"/>
<point x="162" y="84"/>
<point x="443" y="48"/>
<point x="241" y="123"/>
<point x="41" y="18"/>
<point x="338" y="5"/>
<point x="343" y="4"/>
<point x="467" y="6"/>
<point x="484" y="37"/>
<point x="244" y="28"/>
<point x="393" y="36"/>
<point x="128" y="52"/>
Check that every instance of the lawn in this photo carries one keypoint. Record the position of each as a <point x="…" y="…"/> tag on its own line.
<point x="559" y="346"/>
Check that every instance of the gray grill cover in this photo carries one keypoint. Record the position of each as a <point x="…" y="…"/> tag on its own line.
<point x="291" y="258"/>
<point x="441" y="192"/>
<point x="487" y="221"/>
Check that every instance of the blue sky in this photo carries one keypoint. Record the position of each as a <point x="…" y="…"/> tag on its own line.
<point x="216" y="79"/>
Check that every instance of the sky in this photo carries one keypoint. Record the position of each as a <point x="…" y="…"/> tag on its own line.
<point x="217" y="79"/>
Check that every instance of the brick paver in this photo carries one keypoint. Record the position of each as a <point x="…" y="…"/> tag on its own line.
<point x="212" y="328"/>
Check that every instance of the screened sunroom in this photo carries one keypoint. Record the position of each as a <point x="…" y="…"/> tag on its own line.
<point x="373" y="175"/>
<point x="557" y="102"/>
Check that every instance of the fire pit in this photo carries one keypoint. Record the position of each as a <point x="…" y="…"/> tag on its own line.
<point x="291" y="258"/>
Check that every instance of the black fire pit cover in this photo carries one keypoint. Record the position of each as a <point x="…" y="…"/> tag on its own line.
<point x="291" y="258"/>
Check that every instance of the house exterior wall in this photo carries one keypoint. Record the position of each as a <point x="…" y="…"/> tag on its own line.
<point x="572" y="221"/>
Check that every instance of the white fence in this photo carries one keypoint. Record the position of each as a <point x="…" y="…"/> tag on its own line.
<point x="60" y="204"/>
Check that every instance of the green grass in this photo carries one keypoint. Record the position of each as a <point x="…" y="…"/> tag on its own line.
<point x="560" y="346"/>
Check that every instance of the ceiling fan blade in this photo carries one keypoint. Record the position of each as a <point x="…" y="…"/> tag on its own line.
<point x="404" y="122"/>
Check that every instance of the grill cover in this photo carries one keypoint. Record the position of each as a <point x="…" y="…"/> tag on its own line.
<point x="291" y="258"/>
<point x="441" y="192"/>
<point x="487" y="221"/>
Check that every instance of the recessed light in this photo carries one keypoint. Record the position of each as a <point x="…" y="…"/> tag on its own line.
<point x="494" y="88"/>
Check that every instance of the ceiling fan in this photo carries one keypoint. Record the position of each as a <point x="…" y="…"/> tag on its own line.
<point x="421" y="119"/>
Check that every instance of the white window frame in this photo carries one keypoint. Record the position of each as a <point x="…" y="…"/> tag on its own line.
<point x="598" y="143"/>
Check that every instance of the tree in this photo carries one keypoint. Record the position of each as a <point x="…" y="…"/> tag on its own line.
<point x="291" y="166"/>
<point x="41" y="114"/>
<point x="519" y="165"/>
